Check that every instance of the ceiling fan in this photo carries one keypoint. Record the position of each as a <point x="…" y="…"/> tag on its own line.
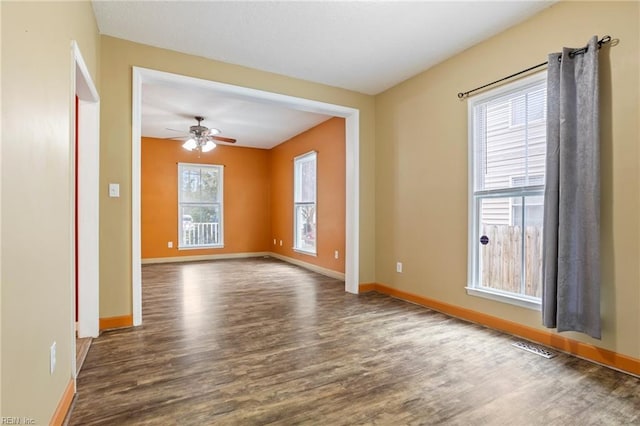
<point x="202" y="138"/>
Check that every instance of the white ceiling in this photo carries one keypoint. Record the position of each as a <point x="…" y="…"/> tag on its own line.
<point x="364" y="46"/>
<point x="252" y="123"/>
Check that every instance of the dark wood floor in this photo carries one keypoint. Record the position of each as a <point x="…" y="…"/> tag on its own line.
<point x="82" y="348"/>
<point x="260" y="341"/>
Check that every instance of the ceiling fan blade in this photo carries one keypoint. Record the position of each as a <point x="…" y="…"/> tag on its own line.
<point x="223" y="139"/>
<point x="176" y="138"/>
<point x="179" y="131"/>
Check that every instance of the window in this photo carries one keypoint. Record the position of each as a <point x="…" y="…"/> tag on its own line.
<point x="200" y="194"/>
<point x="304" y="201"/>
<point x="507" y="142"/>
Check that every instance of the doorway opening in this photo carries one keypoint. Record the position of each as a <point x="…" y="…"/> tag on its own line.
<point x="351" y="115"/>
<point x="85" y="162"/>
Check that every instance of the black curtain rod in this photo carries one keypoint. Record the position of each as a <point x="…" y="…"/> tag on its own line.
<point x="604" y="40"/>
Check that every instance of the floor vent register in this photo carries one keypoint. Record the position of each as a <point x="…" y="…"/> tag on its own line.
<point x="538" y="350"/>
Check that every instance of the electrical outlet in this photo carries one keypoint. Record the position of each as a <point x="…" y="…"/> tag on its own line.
<point x="399" y="267"/>
<point x="52" y="358"/>
<point x="336" y="255"/>
<point x="170" y="244"/>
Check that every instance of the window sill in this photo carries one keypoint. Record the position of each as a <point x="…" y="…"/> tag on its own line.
<point x="308" y="253"/>
<point x="219" y="246"/>
<point x="512" y="299"/>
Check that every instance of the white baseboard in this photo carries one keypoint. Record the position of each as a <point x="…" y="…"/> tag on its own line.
<point x="197" y="258"/>
<point x="319" y="269"/>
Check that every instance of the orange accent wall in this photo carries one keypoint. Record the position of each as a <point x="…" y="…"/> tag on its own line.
<point x="246" y="197"/>
<point x="328" y="139"/>
<point x="258" y="196"/>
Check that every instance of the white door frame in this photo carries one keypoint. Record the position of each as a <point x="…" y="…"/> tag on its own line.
<point x="352" y="142"/>
<point x="88" y="195"/>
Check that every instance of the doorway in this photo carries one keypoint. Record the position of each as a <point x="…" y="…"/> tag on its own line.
<point x="351" y="115"/>
<point x="86" y="130"/>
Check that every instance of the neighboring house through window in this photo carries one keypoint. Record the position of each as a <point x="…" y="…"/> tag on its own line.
<point x="304" y="200"/>
<point x="200" y="207"/>
<point x="507" y="140"/>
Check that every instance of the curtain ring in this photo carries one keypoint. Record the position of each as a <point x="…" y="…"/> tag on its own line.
<point x="606" y="39"/>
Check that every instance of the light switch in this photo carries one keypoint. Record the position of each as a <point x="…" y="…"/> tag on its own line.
<point x="114" y="190"/>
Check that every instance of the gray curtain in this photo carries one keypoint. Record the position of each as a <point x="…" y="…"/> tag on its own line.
<point x="571" y="253"/>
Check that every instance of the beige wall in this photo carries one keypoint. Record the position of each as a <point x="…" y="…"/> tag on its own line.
<point x="421" y="166"/>
<point x="36" y="198"/>
<point x="0" y="215"/>
<point x="118" y="57"/>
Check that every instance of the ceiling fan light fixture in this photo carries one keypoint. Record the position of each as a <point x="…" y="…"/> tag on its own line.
<point x="201" y="138"/>
<point x="190" y="144"/>
<point x="208" y="146"/>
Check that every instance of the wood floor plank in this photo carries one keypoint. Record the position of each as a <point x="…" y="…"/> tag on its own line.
<point x="82" y="348"/>
<point x="259" y="341"/>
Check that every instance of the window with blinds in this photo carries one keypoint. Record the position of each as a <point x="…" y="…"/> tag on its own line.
<point x="507" y="142"/>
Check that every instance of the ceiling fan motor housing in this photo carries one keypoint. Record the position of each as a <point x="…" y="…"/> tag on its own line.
<point x="198" y="130"/>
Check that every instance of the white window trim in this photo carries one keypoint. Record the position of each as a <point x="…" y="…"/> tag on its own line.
<point x="511" y="298"/>
<point x="307" y="252"/>
<point x="472" y="246"/>
<point x="313" y="253"/>
<point x="180" y="221"/>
